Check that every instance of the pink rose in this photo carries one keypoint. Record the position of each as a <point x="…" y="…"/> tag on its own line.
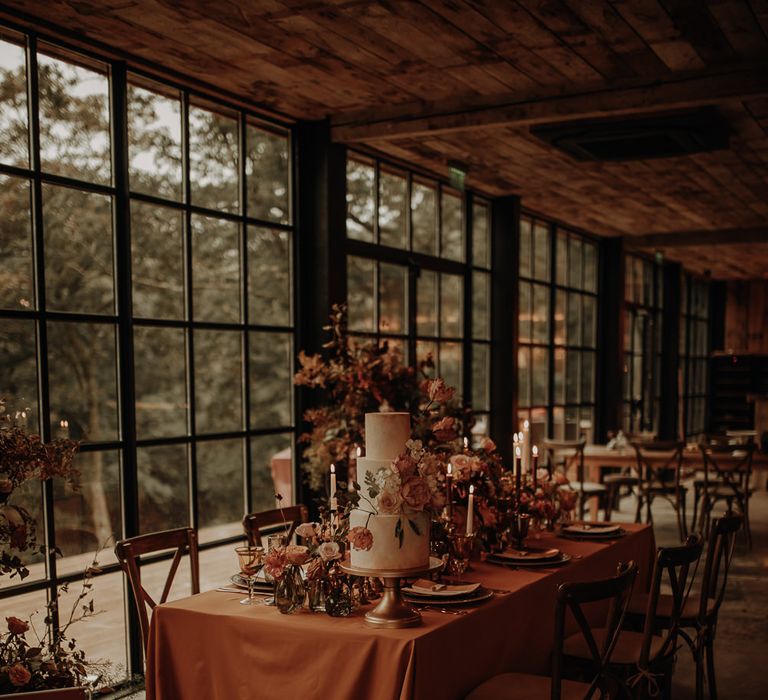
<point x="405" y="466"/>
<point x="306" y="530"/>
<point x="16" y="626"/>
<point x="18" y="675"/>
<point x="489" y="445"/>
<point x="388" y="503"/>
<point x="316" y="569"/>
<point x="445" y="429"/>
<point x="462" y="465"/>
<point x="360" y="538"/>
<point x="329" y="551"/>
<point x="297" y="554"/>
<point x="275" y="562"/>
<point x="437" y="390"/>
<point x="416" y="493"/>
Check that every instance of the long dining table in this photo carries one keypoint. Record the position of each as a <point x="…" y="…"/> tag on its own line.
<point x="210" y="647"/>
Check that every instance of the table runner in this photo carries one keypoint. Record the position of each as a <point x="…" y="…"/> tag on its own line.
<point x="210" y="647"/>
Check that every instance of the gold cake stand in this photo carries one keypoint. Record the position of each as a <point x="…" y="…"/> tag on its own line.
<point x="392" y="612"/>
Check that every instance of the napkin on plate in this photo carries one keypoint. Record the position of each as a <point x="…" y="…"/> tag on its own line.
<point x="449" y="590"/>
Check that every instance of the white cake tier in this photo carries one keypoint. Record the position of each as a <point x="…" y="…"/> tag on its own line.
<point x="386" y="434"/>
<point x="386" y="552"/>
<point x="366" y="465"/>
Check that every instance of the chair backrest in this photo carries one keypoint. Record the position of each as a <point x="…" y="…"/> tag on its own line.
<point x="617" y="592"/>
<point x="566" y="454"/>
<point x="722" y="540"/>
<point x="254" y="524"/>
<point x="728" y="462"/>
<point x="183" y="541"/>
<point x="658" y="458"/>
<point x="676" y="563"/>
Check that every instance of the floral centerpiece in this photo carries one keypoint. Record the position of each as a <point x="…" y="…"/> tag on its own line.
<point x="552" y="500"/>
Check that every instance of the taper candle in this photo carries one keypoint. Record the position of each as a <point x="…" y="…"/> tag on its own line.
<point x="334" y="502"/>
<point x="449" y="491"/>
<point x="471" y="511"/>
<point x="518" y="476"/>
<point x="526" y="440"/>
<point x="535" y="451"/>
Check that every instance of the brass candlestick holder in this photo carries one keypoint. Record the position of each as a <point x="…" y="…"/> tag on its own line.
<point x="392" y="612"/>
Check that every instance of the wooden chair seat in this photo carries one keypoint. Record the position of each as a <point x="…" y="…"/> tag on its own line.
<point x="525" y="686"/>
<point x="626" y="652"/>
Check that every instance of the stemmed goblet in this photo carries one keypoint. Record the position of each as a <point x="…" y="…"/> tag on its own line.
<point x="461" y="546"/>
<point x="251" y="560"/>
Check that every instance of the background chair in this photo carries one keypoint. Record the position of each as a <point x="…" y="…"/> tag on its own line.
<point x="615" y="591"/>
<point x="128" y="551"/>
<point x="568" y="455"/>
<point x="727" y="473"/>
<point x="645" y="660"/>
<point x="254" y="524"/>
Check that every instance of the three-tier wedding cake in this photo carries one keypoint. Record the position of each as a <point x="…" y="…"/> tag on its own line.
<point x="400" y="537"/>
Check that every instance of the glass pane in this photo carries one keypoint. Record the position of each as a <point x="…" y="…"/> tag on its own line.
<point x="88" y="519"/>
<point x="590" y="267"/>
<point x="573" y="321"/>
<point x="571" y="424"/>
<point x="14" y="141"/>
<point x="154" y="143"/>
<point x="558" y="423"/>
<point x="572" y="376"/>
<point x="79" y="273"/>
<point x="538" y="426"/>
<point x="426" y="303"/>
<point x="481" y="235"/>
<point x="450" y="365"/>
<point x="18" y="370"/>
<point x="392" y="202"/>
<point x="272" y="471"/>
<point x="360" y="201"/>
<point x="213" y="160"/>
<point x="560" y="297"/>
<point x="576" y="277"/>
<point x="540" y="374"/>
<point x="587" y="377"/>
<point x="559" y="376"/>
<point x="524" y="376"/>
<point x="74" y="121"/>
<point x="82" y="379"/>
<point x="424" y="218"/>
<point x="562" y="258"/>
<point x="481" y="305"/>
<point x="161" y="381"/>
<point x="427" y="349"/>
<point x="540" y="317"/>
<point x="452" y="213"/>
<point x="524" y="313"/>
<point x="589" y="325"/>
<point x="271" y="379"/>
<point x="163" y="477"/>
<point x="526" y="248"/>
<point x="393" y="298"/>
<point x="17" y="290"/>
<point x="541" y="251"/>
<point x="480" y="377"/>
<point x="269" y="277"/>
<point x="30" y="497"/>
<point x="451" y="306"/>
<point x="360" y="293"/>
<point x="215" y="269"/>
<point x="267" y="170"/>
<point x="25" y="605"/>
<point x="218" y="381"/>
<point x="157" y="247"/>
<point x="220" y="493"/>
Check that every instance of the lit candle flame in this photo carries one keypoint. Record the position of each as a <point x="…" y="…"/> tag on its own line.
<point x="471" y="489"/>
<point x="535" y="450"/>
<point x="517" y="452"/>
<point x="359" y="452"/>
<point x="450" y="469"/>
<point x="526" y="425"/>
<point x="333" y="468"/>
<point x="466" y="442"/>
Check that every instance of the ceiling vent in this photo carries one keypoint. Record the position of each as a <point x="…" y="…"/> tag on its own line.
<point x="639" y="138"/>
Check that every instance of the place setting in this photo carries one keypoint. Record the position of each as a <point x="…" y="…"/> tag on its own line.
<point x="597" y="531"/>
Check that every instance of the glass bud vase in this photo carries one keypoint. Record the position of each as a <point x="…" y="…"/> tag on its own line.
<point x="339" y="600"/>
<point x="316" y="595"/>
<point x="289" y="590"/>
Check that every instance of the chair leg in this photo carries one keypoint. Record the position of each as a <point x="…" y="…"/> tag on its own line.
<point x="639" y="510"/>
<point x="609" y="496"/>
<point x="710" y="650"/>
<point x="699" y="653"/>
<point x="696" y="496"/>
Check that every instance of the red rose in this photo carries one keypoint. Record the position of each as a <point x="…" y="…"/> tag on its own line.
<point x="16" y="626"/>
<point x="360" y="538"/>
<point x="416" y="493"/>
<point x="18" y="675"/>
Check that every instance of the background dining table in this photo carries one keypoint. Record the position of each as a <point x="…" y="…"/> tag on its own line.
<point x="209" y="646"/>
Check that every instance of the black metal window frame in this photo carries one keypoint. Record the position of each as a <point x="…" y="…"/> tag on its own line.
<point x="122" y="320"/>
<point x="694" y="360"/>
<point x="415" y="262"/>
<point x="526" y="409"/>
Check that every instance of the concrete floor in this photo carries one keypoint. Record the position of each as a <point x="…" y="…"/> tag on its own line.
<point x="741" y="647"/>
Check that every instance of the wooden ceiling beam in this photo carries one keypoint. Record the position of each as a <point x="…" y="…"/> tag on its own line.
<point x="680" y="239"/>
<point x="677" y="91"/>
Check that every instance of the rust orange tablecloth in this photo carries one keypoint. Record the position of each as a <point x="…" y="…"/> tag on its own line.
<point x="212" y="648"/>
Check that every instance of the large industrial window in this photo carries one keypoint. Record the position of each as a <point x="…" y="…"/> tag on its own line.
<point x="145" y="308"/>
<point x="694" y="353"/>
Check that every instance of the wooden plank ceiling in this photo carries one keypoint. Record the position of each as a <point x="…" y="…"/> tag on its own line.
<point x="430" y="81"/>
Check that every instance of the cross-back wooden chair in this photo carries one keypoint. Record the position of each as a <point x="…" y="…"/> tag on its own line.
<point x="660" y="472"/>
<point x="289" y="518"/>
<point x="571" y="598"/>
<point x="644" y="660"/>
<point x="727" y="473"/>
<point x="566" y="456"/>
<point x="183" y="541"/>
